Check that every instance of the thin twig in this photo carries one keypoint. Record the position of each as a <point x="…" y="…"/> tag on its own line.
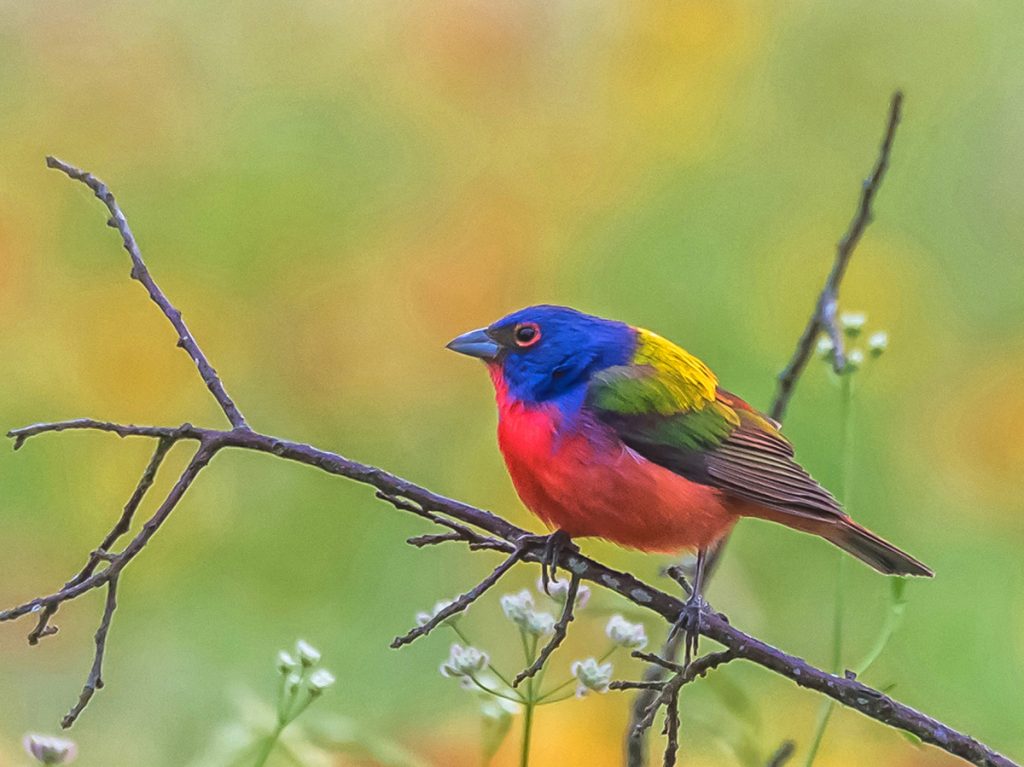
<point x="653" y="682"/>
<point x="141" y="273"/>
<point x="94" y="681"/>
<point x="824" y="314"/>
<point x="461" y="603"/>
<point x="561" y="629"/>
<point x="102" y="552"/>
<point x="671" y="731"/>
<point x="670" y="691"/>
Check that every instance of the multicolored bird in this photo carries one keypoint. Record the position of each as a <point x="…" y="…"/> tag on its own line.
<point x="612" y="431"/>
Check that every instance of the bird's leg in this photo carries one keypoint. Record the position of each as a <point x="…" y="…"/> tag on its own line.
<point x="689" y="617"/>
<point x="554" y="544"/>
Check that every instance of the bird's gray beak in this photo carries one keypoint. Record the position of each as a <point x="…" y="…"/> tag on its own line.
<point x="475" y="343"/>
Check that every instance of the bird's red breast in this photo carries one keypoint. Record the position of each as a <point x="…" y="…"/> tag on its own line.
<point x="576" y="475"/>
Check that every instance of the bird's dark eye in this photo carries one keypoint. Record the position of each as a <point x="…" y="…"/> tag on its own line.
<point x="526" y="334"/>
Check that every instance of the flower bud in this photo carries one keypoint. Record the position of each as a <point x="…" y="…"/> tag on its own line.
<point x="825" y="347"/>
<point x="286" y="663"/>
<point x="320" y="680"/>
<point x="308" y="655"/>
<point x="50" y="750"/>
<point x="559" y="591"/>
<point x="539" y="624"/>
<point x="464" y="661"/>
<point x="878" y="343"/>
<point x="591" y="676"/>
<point x="518" y="607"/>
<point x="854" y="360"/>
<point x="852" y="323"/>
<point x="626" y="634"/>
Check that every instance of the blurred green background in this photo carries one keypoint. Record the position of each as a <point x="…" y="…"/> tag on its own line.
<point x="331" y="190"/>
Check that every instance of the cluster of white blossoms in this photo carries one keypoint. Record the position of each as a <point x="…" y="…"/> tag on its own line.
<point x="625" y="634"/>
<point x="464" y="662"/>
<point x="591" y="676"/>
<point x="519" y="608"/>
<point x="853" y="325"/>
<point x="298" y="670"/>
<point x="472" y="666"/>
<point x="47" y="749"/>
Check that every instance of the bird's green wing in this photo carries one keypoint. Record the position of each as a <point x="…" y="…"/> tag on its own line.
<point x="667" y="406"/>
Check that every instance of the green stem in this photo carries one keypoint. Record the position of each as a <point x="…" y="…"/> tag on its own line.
<point x="530" y="699"/>
<point x="269" y="747"/>
<point x="845" y="487"/>
<point x="524" y="755"/>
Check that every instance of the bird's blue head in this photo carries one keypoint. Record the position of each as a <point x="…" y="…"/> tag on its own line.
<point x="548" y="353"/>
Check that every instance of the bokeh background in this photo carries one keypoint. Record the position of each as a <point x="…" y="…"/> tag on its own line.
<point x="331" y="190"/>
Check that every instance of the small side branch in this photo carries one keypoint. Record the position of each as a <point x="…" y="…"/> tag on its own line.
<point x="141" y="273"/>
<point x="561" y="629"/>
<point x="462" y="602"/>
<point x="102" y="552"/>
<point x="94" y="681"/>
<point x="824" y="315"/>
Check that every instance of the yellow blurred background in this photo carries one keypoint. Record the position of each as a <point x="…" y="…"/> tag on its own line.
<point x="330" y="190"/>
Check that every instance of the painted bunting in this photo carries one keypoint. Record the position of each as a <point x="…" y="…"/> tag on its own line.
<point x="612" y="431"/>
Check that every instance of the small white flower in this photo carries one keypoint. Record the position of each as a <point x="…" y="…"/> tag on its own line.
<point x="825" y="347"/>
<point x="50" y="750"/>
<point x="422" y="619"/>
<point x="464" y="661"/>
<point x="320" y="680"/>
<point x="853" y="323"/>
<point x="560" y="592"/>
<point x="518" y="607"/>
<point x="308" y="655"/>
<point x="292" y="682"/>
<point x="591" y="676"/>
<point x="878" y="343"/>
<point x="626" y="634"/>
<point x="540" y="624"/>
<point x="286" y="663"/>
<point x="854" y="360"/>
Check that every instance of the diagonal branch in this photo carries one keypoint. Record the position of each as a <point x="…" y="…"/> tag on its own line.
<point x="561" y="629"/>
<point x="824" y="315"/>
<point x="94" y="681"/>
<point x="102" y="552"/>
<point x="471" y="524"/>
<point x="141" y="273"/>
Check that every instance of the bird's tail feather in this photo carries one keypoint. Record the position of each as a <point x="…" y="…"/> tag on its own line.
<point x="852" y="538"/>
<point x="875" y="550"/>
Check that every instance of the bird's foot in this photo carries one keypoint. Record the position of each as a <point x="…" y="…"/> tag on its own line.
<point x="689" y="621"/>
<point x="553" y="546"/>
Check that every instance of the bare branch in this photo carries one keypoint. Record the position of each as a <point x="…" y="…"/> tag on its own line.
<point x="561" y="629"/>
<point x="102" y="552"/>
<point x="141" y="273"/>
<point x="94" y="681"/>
<point x="824" y="314"/>
<point x="461" y="603"/>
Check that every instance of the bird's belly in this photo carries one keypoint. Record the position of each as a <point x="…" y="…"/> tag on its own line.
<point x="588" y="483"/>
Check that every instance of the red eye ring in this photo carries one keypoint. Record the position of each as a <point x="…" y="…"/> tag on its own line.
<point x="526" y="334"/>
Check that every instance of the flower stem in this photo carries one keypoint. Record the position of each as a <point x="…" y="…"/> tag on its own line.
<point x="846" y="480"/>
<point x="530" y="699"/>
